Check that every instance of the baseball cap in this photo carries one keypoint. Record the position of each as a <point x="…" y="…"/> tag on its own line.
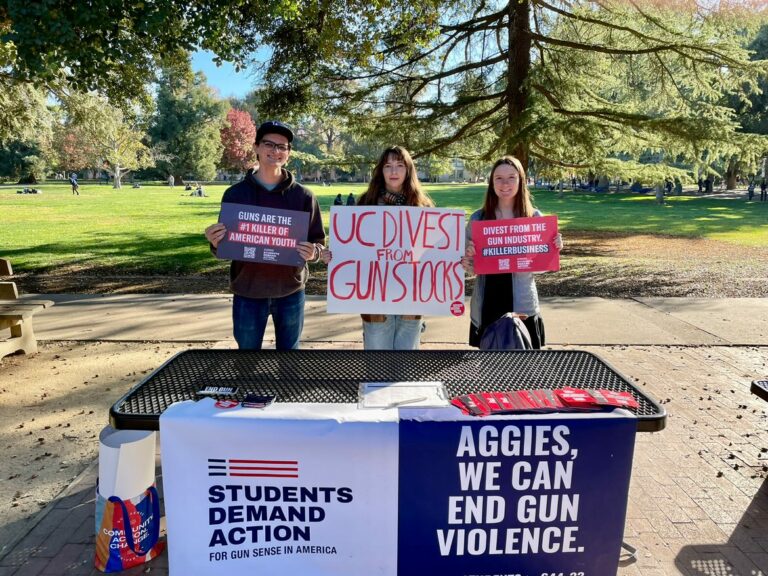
<point x="273" y="127"/>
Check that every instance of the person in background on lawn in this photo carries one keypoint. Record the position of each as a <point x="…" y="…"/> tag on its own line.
<point x="262" y="289"/>
<point x="394" y="183"/>
<point x="351" y="199"/>
<point x="338" y="201"/>
<point x="75" y="185"/>
<point x="494" y="295"/>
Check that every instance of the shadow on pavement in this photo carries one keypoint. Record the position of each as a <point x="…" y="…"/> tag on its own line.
<point x="745" y="553"/>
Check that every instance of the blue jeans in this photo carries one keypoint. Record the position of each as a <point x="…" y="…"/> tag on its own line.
<point x="249" y="320"/>
<point x="393" y="334"/>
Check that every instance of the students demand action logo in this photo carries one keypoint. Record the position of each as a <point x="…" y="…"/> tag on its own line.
<point x="253" y="468"/>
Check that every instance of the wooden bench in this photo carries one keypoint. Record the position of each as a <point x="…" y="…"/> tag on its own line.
<point x="17" y="315"/>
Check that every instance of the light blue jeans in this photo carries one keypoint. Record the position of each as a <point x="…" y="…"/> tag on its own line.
<point x="395" y="333"/>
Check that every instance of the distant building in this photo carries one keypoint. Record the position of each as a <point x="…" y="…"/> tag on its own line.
<point x="460" y="173"/>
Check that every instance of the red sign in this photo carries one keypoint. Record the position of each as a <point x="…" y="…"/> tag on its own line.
<point x="516" y="245"/>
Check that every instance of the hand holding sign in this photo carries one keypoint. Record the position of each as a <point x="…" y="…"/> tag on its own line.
<point x="306" y="250"/>
<point x="215" y="233"/>
<point x="468" y="260"/>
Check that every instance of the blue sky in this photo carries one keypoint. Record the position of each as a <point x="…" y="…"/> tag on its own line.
<point x="223" y="78"/>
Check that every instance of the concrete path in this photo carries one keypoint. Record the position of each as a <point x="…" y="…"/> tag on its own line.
<point x="698" y="501"/>
<point x="569" y="321"/>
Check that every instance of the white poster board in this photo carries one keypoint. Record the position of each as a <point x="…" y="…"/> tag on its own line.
<point x="396" y="260"/>
<point x="291" y="489"/>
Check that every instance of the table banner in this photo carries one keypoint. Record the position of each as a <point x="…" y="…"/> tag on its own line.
<point x="251" y="491"/>
<point x="515" y="245"/>
<point x="396" y="260"/>
<point x="537" y="496"/>
<point x="258" y="234"/>
<point x="332" y="490"/>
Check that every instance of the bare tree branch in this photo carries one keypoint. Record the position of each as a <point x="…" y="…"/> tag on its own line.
<point x="464" y="129"/>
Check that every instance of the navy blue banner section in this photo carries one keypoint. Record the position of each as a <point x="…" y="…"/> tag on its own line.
<point x="258" y="234"/>
<point x="527" y="497"/>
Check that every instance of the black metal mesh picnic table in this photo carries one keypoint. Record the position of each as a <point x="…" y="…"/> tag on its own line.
<point x="334" y="376"/>
<point x="760" y="388"/>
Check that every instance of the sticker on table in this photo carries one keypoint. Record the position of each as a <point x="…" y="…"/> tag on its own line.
<point x="226" y="404"/>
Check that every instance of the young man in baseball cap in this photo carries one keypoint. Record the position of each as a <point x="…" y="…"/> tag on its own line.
<point x="262" y="289"/>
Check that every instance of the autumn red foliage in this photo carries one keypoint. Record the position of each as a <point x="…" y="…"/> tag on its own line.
<point x="238" y="137"/>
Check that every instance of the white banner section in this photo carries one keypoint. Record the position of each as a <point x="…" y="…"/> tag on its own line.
<point x="396" y="260"/>
<point x="295" y="489"/>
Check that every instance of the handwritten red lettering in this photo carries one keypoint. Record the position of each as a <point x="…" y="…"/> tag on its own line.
<point x="355" y="228"/>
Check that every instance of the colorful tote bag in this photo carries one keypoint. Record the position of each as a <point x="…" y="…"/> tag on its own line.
<point x="127" y="531"/>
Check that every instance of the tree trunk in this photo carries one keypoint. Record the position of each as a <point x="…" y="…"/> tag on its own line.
<point x="118" y="177"/>
<point x="518" y="66"/>
<point x="330" y="138"/>
<point x="732" y="173"/>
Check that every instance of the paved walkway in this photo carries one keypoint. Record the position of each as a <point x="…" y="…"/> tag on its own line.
<point x="569" y="321"/>
<point x="698" y="501"/>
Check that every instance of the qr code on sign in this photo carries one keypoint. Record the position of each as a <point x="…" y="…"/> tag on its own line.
<point x="504" y="264"/>
<point x="249" y="252"/>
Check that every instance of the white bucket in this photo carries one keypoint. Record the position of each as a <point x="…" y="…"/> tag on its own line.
<point x="126" y="462"/>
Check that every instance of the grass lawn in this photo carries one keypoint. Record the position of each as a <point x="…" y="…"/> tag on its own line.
<point x="156" y="230"/>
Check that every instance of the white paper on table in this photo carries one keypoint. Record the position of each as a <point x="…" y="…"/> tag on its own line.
<point x="405" y="394"/>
